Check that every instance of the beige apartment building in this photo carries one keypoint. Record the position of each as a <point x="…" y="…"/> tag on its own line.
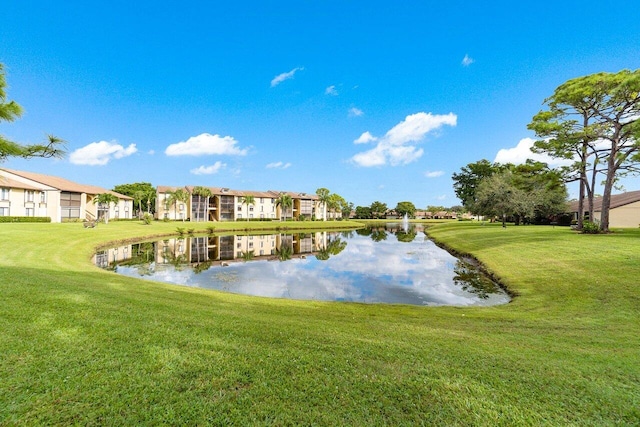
<point x="37" y="195"/>
<point x="225" y="204"/>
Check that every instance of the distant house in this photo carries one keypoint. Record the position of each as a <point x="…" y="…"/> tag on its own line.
<point x="624" y="210"/>
<point x="37" y="195"/>
<point x="226" y="204"/>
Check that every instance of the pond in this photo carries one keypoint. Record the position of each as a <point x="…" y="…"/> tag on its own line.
<point x="388" y="264"/>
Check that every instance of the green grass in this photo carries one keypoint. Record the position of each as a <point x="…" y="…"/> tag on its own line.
<point x="84" y="346"/>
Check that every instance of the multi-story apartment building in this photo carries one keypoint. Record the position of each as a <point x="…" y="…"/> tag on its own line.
<point x="37" y="195"/>
<point x="224" y="204"/>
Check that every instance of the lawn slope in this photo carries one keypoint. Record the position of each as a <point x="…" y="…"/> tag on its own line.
<point x="84" y="346"/>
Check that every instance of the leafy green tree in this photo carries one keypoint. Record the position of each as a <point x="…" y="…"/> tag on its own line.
<point x="10" y="111"/>
<point x="335" y="204"/>
<point x="363" y="212"/>
<point x="106" y="199"/>
<point x="407" y="208"/>
<point x="545" y="184"/>
<point x="466" y="182"/>
<point x="323" y="197"/>
<point x="378" y="210"/>
<point x="347" y="208"/>
<point x="435" y="209"/>
<point x="142" y="192"/>
<point x="248" y="200"/>
<point x="497" y="196"/>
<point x="595" y="119"/>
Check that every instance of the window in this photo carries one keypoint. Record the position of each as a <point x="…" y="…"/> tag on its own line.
<point x="29" y="195"/>
<point x="29" y="212"/>
<point x="261" y="199"/>
<point x="43" y="197"/>
<point x="4" y="211"/>
<point x="4" y="194"/>
<point x="239" y="208"/>
<point x="239" y="245"/>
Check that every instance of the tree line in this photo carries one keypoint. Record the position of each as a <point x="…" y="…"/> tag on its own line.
<point x="380" y="210"/>
<point x="591" y="121"/>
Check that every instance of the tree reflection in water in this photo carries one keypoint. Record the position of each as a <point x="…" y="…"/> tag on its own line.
<point x="471" y="280"/>
<point x="362" y="266"/>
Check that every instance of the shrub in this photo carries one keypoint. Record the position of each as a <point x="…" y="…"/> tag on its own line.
<point x="589" y="227"/>
<point x="180" y="231"/>
<point x="147" y="218"/>
<point x="25" y="219"/>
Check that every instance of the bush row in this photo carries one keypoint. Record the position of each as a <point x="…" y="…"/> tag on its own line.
<point x="25" y="219"/>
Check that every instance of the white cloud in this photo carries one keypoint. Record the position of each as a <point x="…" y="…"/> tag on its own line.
<point x="331" y="90"/>
<point x="152" y="152"/>
<point x="355" y="112"/>
<point x="278" y="165"/>
<point x="398" y="146"/>
<point x="285" y="76"/>
<point x="365" y="138"/>
<point x="206" y="144"/>
<point x="433" y="174"/>
<point x="100" y="153"/>
<point x="209" y="170"/>
<point x="467" y="60"/>
<point x="442" y="197"/>
<point x="521" y="152"/>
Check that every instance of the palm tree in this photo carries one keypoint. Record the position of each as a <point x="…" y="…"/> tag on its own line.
<point x="138" y="196"/>
<point x="201" y="192"/>
<point x="106" y="199"/>
<point x="285" y="251"/>
<point x="323" y="197"/>
<point x="179" y="195"/>
<point x="285" y="202"/>
<point x="248" y="200"/>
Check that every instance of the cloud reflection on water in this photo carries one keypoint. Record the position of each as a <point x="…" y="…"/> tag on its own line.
<point x="387" y="271"/>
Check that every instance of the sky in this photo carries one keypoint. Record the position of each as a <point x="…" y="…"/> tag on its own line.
<point x="376" y="101"/>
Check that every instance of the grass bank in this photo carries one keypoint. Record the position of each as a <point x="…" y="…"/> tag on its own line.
<point x="84" y="346"/>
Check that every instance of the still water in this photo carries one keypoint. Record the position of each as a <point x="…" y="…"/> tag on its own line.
<point x="374" y="265"/>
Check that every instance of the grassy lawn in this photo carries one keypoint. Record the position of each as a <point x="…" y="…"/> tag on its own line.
<point x="79" y="345"/>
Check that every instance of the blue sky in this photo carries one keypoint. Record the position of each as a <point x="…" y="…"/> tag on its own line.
<point x="373" y="100"/>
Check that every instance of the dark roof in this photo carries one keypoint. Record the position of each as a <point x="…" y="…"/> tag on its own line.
<point x="617" y="200"/>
